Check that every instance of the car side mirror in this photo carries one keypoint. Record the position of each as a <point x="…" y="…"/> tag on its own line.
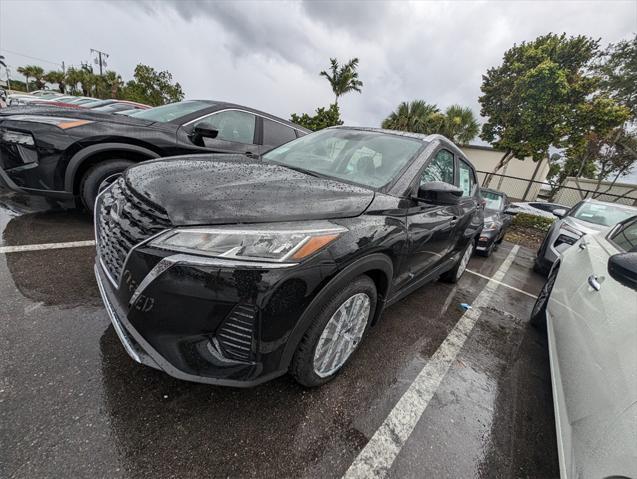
<point x="439" y="193"/>
<point x="559" y="212"/>
<point x="205" y="132"/>
<point x="622" y="268"/>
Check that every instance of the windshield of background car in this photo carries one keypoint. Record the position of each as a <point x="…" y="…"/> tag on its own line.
<point x="366" y="158"/>
<point x="170" y="112"/>
<point x="493" y="200"/>
<point x="601" y="214"/>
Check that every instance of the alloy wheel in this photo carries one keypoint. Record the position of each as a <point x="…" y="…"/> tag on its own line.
<point x="341" y="335"/>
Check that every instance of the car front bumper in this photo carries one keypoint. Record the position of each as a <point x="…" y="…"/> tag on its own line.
<point x="209" y="323"/>
<point x="486" y="239"/>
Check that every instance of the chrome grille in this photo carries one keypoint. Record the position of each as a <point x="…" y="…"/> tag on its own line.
<point x="235" y="334"/>
<point x="122" y="221"/>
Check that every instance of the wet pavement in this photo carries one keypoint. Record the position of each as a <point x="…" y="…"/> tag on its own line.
<point x="73" y="404"/>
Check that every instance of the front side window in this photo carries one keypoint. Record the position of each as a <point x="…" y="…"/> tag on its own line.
<point x="275" y="133"/>
<point x="602" y="213"/>
<point x="367" y="158"/>
<point x="232" y="125"/>
<point x="440" y="168"/>
<point x="626" y="237"/>
<point x="466" y="179"/>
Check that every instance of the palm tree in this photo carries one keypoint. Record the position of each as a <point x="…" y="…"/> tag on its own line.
<point x="416" y="116"/>
<point x="35" y="72"/>
<point x="56" y="77"/>
<point x="110" y="83"/>
<point x="343" y="79"/>
<point x="460" y="125"/>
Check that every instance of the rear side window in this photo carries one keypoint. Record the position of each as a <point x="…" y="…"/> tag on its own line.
<point x="466" y="179"/>
<point x="440" y="168"/>
<point x="626" y="237"/>
<point x="275" y="134"/>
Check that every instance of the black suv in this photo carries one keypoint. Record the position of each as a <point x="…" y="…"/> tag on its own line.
<point x="228" y="271"/>
<point x="69" y="153"/>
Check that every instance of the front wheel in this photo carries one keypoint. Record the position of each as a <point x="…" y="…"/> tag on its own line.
<point x="97" y="176"/>
<point x="455" y="273"/>
<point x="336" y="333"/>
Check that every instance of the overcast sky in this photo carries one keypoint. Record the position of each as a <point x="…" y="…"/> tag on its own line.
<point x="268" y="54"/>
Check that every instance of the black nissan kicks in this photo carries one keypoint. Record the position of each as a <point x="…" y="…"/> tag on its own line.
<point x="225" y="270"/>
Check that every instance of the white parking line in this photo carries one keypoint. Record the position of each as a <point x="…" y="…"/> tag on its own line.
<point x="379" y="454"/>
<point x="39" y="247"/>
<point x="502" y="284"/>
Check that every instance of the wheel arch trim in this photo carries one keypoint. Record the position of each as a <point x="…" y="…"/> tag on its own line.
<point x="84" y="154"/>
<point x="374" y="262"/>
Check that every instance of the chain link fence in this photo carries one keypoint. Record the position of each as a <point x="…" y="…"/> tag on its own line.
<point x="522" y="189"/>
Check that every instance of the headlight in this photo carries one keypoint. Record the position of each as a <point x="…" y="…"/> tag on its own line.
<point x="273" y="243"/>
<point x="18" y="137"/>
<point x="570" y="229"/>
<point x="63" y="123"/>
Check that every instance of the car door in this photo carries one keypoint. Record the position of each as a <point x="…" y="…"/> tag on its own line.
<point x="469" y="216"/>
<point x="592" y="331"/>
<point x="275" y="134"/>
<point x="237" y="131"/>
<point x="430" y="226"/>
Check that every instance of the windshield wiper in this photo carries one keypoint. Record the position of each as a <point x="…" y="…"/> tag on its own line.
<point x="300" y="170"/>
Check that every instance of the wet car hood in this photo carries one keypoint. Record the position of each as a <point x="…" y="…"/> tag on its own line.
<point x="218" y="189"/>
<point x="584" y="226"/>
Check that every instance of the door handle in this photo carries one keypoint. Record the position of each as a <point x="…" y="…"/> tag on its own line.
<point x="594" y="283"/>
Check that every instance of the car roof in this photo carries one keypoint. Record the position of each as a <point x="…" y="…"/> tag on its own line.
<point x="223" y="104"/>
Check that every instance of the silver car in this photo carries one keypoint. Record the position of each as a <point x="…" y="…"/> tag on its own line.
<point x="536" y="208"/>
<point x="589" y="309"/>
<point x="586" y="217"/>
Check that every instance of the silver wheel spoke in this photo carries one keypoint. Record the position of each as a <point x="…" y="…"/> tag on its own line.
<point x="341" y="335"/>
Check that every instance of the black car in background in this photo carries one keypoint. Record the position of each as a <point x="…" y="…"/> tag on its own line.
<point x="69" y="153"/>
<point x="496" y="221"/>
<point x="224" y="270"/>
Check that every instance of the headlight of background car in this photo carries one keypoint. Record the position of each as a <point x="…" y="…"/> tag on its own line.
<point x="17" y="137"/>
<point x="271" y="243"/>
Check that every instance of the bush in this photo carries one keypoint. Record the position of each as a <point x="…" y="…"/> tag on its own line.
<point x="525" y="220"/>
<point x="323" y="118"/>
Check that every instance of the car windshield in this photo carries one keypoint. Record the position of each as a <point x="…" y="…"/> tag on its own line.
<point x="366" y="158"/>
<point x="602" y="214"/>
<point x="493" y="200"/>
<point x="170" y="112"/>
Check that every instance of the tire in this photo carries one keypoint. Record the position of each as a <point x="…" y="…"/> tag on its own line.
<point x="95" y="176"/>
<point x="455" y="273"/>
<point x="538" y="313"/>
<point x="309" y="367"/>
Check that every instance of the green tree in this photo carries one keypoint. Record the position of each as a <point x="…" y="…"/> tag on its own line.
<point x="618" y="71"/>
<point x="152" y="87"/>
<point x="324" y="118"/>
<point x="35" y="72"/>
<point x="416" y="116"/>
<point x="56" y="77"/>
<point x="110" y="84"/>
<point x="344" y="78"/>
<point x="459" y="124"/>
<point x="531" y="100"/>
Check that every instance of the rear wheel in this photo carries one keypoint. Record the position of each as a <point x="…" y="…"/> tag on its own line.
<point x="97" y="177"/>
<point x="455" y="273"/>
<point x="538" y="314"/>
<point x="336" y="333"/>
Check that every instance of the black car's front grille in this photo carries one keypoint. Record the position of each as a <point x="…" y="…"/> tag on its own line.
<point x="122" y="221"/>
<point x="236" y="332"/>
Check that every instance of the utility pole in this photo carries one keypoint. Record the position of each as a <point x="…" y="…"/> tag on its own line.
<point x="101" y="59"/>
<point x="64" y="76"/>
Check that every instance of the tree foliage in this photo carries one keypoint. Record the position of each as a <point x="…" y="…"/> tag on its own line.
<point x="457" y="122"/>
<point x="56" y="77"/>
<point x="617" y="68"/>
<point x="322" y="119"/>
<point x="152" y="87"/>
<point x="344" y="78"/>
<point x="35" y="72"/>
<point x="540" y="96"/>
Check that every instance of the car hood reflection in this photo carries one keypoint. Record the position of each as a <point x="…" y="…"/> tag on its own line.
<point x="218" y="189"/>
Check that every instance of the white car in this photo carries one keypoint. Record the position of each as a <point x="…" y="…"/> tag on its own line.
<point x="537" y="208"/>
<point x="589" y="309"/>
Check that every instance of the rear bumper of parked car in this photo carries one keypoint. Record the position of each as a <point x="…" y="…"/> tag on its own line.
<point x="208" y="323"/>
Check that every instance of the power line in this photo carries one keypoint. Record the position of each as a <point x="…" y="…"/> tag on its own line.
<point x="29" y="56"/>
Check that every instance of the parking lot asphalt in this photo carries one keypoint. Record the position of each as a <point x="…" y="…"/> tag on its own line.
<point x="73" y="404"/>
